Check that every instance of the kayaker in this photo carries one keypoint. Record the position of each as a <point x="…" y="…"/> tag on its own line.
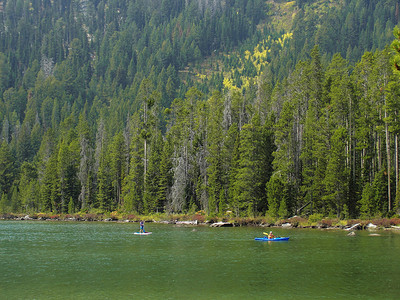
<point x="270" y="235"/>
<point x="142" y="226"/>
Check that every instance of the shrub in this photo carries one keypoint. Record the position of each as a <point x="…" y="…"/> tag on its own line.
<point x="340" y="223"/>
<point x="130" y="217"/>
<point x="382" y="222"/>
<point x="326" y="223"/>
<point x="7" y="216"/>
<point x="90" y="217"/>
<point x="314" y="218"/>
<point x="115" y="215"/>
<point x="354" y="221"/>
<point x="212" y="219"/>
<point x="297" y="221"/>
<point x="199" y="218"/>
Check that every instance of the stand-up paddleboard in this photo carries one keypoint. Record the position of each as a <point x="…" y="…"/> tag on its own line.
<point x="142" y="233"/>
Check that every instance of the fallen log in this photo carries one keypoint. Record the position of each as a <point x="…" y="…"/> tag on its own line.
<point x="222" y="224"/>
<point x="354" y="227"/>
<point x="186" y="222"/>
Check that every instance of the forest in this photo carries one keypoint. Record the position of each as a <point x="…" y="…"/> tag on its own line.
<point x="244" y="107"/>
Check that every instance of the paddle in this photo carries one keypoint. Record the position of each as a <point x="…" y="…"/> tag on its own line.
<point x="267" y="234"/>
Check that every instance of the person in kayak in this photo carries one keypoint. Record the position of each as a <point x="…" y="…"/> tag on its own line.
<point x="141" y="227"/>
<point x="270" y="235"/>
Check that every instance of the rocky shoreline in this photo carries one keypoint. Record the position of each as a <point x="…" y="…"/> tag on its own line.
<point x="294" y="222"/>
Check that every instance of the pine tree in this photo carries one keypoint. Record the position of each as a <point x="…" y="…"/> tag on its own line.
<point x="7" y="168"/>
<point x="133" y="183"/>
<point x="274" y="189"/>
<point x="263" y="158"/>
<point x="152" y="178"/>
<point x="117" y="168"/>
<point x="104" y="185"/>
<point x="28" y="187"/>
<point x="67" y="166"/>
<point x="4" y="208"/>
<point x="85" y="164"/>
<point x="166" y="175"/>
<point x="284" y="155"/>
<point x="214" y="147"/>
<point x="337" y="173"/>
<point x="245" y="183"/>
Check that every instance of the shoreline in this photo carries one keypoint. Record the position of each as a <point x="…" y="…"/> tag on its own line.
<point x="196" y="220"/>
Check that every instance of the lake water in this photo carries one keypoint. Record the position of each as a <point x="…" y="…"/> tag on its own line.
<point x="95" y="260"/>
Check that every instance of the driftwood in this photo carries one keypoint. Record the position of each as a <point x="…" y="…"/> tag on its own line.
<point x="222" y="224"/>
<point x="186" y="222"/>
<point x="304" y="206"/>
<point x="354" y="227"/>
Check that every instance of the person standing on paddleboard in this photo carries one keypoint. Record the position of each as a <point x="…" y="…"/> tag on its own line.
<point x="141" y="227"/>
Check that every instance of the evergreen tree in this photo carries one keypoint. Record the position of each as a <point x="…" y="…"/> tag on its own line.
<point x="133" y="183"/>
<point x="245" y="181"/>
<point x="153" y="176"/>
<point x="274" y="189"/>
<point x="214" y="157"/>
<point x="283" y="162"/>
<point x="28" y="188"/>
<point x="117" y="168"/>
<point x="166" y="175"/>
<point x="104" y="184"/>
<point x="4" y="208"/>
<point x="337" y="173"/>
<point x="85" y="164"/>
<point x="7" y="168"/>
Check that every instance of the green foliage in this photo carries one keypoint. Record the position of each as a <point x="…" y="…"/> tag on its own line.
<point x="71" y="206"/>
<point x="275" y="187"/>
<point x="4" y="208"/>
<point x="314" y="218"/>
<point x="7" y="168"/>
<point x="283" y="211"/>
<point x="374" y="197"/>
<point x="337" y="173"/>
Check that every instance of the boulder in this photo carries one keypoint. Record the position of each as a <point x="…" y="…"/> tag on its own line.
<point x="287" y="225"/>
<point x="371" y="226"/>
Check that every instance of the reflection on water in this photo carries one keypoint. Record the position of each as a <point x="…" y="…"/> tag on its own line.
<point x="65" y="260"/>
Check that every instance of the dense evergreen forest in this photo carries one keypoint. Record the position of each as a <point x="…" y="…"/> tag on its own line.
<point x="251" y="107"/>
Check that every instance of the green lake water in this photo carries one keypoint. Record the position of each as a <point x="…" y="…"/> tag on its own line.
<point x="96" y="260"/>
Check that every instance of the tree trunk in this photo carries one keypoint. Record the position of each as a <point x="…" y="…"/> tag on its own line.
<point x="388" y="159"/>
<point x="396" y="161"/>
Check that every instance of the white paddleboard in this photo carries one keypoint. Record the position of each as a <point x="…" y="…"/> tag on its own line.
<point x="142" y="233"/>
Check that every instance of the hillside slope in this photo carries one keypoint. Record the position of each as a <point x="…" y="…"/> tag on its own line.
<point x="180" y="105"/>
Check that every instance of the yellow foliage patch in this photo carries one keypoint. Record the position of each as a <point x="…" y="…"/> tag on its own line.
<point x="201" y="76"/>
<point x="258" y="57"/>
